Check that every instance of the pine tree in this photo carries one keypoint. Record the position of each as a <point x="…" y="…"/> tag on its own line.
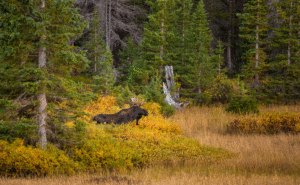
<point x="96" y="44"/>
<point x="183" y="24"/>
<point x="285" y="65"/>
<point x="254" y="27"/>
<point x="218" y="56"/>
<point x="199" y="69"/>
<point x="127" y="57"/>
<point x="36" y="61"/>
<point x="104" y="81"/>
<point x="158" y="36"/>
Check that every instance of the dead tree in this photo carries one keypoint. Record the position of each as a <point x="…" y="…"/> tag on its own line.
<point x="170" y="88"/>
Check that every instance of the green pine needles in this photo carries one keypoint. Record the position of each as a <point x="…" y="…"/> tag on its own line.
<point x="22" y="80"/>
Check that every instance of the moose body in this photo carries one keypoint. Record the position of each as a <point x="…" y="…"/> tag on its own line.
<point x="124" y="116"/>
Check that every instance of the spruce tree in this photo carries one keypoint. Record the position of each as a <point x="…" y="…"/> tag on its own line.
<point x="127" y="57"/>
<point x="254" y="27"/>
<point x="36" y="61"/>
<point x="199" y="69"/>
<point x="95" y="46"/>
<point x="218" y="58"/>
<point x="104" y="81"/>
<point x="183" y="24"/>
<point x="284" y="66"/>
<point x="157" y="44"/>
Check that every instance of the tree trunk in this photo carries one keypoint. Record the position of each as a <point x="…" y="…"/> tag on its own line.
<point x="174" y="101"/>
<point x="229" y="62"/>
<point x="219" y="65"/>
<point x="95" y="49"/>
<point x="41" y="109"/>
<point x="257" y="46"/>
<point x="199" y="85"/>
<point x="290" y="36"/>
<point x="106" y="23"/>
<point x="162" y="46"/>
<point x="109" y="25"/>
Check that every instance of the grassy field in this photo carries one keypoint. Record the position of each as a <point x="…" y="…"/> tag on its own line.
<point x="260" y="159"/>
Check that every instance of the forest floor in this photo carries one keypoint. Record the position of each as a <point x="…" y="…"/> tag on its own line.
<point x="261" y="159"/>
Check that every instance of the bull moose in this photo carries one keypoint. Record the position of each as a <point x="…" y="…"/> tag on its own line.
<point x="124" y="116"/>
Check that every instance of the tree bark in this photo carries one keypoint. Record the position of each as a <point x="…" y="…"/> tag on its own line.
<point x="257" y="46"/>
<point x="290" y="36"/>
<point x="174" y="101"/>
<point x="42" y="99"/>
<point x="199" y="85"/>
<point x="162" y="47"/>
<point x="229" y="62"/>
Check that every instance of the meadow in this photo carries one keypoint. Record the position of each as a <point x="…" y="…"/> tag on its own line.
<point x="259" y="159"/>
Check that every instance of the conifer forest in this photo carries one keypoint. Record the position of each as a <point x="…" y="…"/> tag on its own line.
<point x="62" y="62"/>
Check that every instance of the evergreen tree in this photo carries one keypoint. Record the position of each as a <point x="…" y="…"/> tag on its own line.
<point x="158" y="36"/>
<point x="284" y="66"/>
<point x="127" y="57"/>
<point x="254" y="27"/>
<point x="218" y="57"/>
<point x="96" y="44"/>
<point x="199" y="69"/>
<point x="104" y="81"/>
<point x="183" y="24"/>
<point x="36" y="61"/>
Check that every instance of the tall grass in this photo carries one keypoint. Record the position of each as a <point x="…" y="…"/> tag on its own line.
<point x="259" y="154"/>
<point x="261" y="159"/>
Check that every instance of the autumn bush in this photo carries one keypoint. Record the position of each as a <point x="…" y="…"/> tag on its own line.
<point x="269" y="123"/>
<point x="107" y="146"/>
<point x="154" y="140"/>
<point x="243" y="104"/>
<point x="18" y="159"/>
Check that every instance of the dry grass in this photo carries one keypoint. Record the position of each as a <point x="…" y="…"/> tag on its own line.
<point x="275" y="154"/>
<point x="261" y="159"/>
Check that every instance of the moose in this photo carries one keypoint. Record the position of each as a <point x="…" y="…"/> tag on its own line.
<point x="124" y="116"/>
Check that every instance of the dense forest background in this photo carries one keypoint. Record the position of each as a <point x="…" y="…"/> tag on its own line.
<point x="252" y="43"/>
<point x="56" y="56"/>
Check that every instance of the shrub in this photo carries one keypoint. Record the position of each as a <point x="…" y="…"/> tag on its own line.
<point x="17" y="159"/>
<point x="271" y="123"/>
<point x="129" y="146"/>
<point x="242" y="104"/>
<point x="24" y="129"/>
<point x="220" y="90"/>
<point x="154" y="140"/>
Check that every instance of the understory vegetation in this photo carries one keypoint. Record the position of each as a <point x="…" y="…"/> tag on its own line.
<point x="258" y="158"/>
<point x="155" y="140"/>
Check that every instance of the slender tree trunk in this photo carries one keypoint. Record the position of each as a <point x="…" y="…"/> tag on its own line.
<point x="257" y="46"/>
<point x="109" y="26"/>
<point x="162" y="46"/>
<point x="95" y="49"/>
<point x="106" y="23"/>
<point x="297" y="53"/>
<point x="290" y="36"/>
<point x="229" y="62"/>
<point x="183" y="35"/>
<point x="219" y="65"/>
<point x="41" y="109"/>
<point x="199" y="85"/>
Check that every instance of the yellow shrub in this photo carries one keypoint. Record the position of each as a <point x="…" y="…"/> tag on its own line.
<point x="17" y="159"/>
<point x="270" y="123"/>
<point x="128" y="145"/>
<point x="159" y="123"/>
<point x="152" y="108"/>
<point x="104" y="105"/>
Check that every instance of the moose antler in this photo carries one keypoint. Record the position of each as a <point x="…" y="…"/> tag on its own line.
<point x="136" y="102"/>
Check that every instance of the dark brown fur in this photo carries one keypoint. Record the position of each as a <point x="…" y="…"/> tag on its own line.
<point x="124" y="116"/>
